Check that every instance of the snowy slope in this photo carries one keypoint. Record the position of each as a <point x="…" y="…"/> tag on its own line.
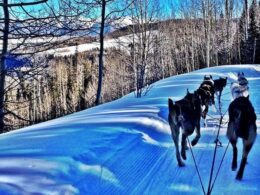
<point x="124" y="147"/>
<point x="120" y="42"/>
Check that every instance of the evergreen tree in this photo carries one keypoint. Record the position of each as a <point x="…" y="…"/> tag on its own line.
<point x="253" y="20"/>
<point x="254" y="34"/>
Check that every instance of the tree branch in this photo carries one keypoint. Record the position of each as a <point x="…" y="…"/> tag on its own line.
<point x="15" y="115"/>
<point x="23" y="4"/>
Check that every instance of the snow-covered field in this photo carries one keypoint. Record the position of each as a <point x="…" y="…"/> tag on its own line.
<point x="119" y="43"/>
<point x="125" y="147"/>
<point x="71" y="50"/>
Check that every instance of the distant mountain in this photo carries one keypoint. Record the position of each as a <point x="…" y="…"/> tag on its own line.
<point x="111" y="25"/>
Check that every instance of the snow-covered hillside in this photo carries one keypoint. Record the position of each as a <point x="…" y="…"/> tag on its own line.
<point x="62" y="30"/>
<point x="125" y="147"/>
<point x="121" y="42"/>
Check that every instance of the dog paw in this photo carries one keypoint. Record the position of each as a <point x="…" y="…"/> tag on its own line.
<point x="234" y="167"/>
<point x="181" y="164"/>
<point x="194" y="142"/>
<point x="183" y="155"/>
<point x="239" y="176"/>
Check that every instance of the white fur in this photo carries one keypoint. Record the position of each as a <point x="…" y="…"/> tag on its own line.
<point x="239" y="91"/>
<point x="212" y="82"/>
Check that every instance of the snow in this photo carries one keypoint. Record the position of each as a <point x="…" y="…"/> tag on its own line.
<point x="123" y="21"/>
<point x="120" y="42"/>
<point x="125" y="147"/>
<point x="71" y="50"/>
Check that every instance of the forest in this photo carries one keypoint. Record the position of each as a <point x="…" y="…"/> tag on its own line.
<point x="152" y="40"/>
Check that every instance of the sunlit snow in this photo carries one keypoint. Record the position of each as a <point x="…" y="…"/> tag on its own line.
<point x="125" y="147"/>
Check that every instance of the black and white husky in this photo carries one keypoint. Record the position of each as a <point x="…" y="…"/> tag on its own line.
<point x="240" y="88"/>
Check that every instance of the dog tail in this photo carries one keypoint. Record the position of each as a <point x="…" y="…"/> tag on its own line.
<point x="172" y="111"/>
<point x="170" y="104"/>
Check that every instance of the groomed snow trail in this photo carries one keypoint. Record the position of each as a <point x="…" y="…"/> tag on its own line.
<point x="125" y="147"/>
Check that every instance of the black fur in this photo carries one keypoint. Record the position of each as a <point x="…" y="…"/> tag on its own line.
<point x="219" y="85"/>
<point x="206" y="92"/>
<point x="208" y="85"/>
<point x="242" y="123"/>
<point x="185" y="113"/>
<point x="242" y="110"/>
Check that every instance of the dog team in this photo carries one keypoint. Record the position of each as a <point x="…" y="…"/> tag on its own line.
<point x="185" y="114"/>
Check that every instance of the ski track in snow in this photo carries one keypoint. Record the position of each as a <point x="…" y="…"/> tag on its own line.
<point x="125" y="147"/>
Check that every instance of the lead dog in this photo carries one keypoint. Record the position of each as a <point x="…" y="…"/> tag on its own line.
<point x="240" y="88"/>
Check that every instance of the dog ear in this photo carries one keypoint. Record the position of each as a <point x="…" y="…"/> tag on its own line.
<point x="210" y="76"/>
<point x="226" y="78"/>
<point x="188" y="91"/>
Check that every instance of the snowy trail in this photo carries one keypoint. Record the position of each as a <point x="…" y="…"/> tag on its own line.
<point x="125" y="147"/>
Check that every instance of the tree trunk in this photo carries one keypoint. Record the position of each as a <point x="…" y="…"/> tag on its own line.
<point x="207" y="27"/>
<point x="101" y="51"/>
<point x="2" y="65"/>
<point x="208" y="48"/>
<point x="246" y="19"/>
<point x="227" y="31"/>
<point x="254" y="49"/>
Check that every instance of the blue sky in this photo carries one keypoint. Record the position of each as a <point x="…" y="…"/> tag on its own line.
<point x="165" y="4"/>
<point x="169" y="7"/>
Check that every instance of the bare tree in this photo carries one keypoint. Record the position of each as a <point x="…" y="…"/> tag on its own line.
<point x="206" y="6"/>
<point x="26" y="36"/>
<point x="101" y="49"/>
<point x="229" y="5"/>
<point x="116" y="11"/>
<point x="144" y="15"/>
<point x="6" y="6"/>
